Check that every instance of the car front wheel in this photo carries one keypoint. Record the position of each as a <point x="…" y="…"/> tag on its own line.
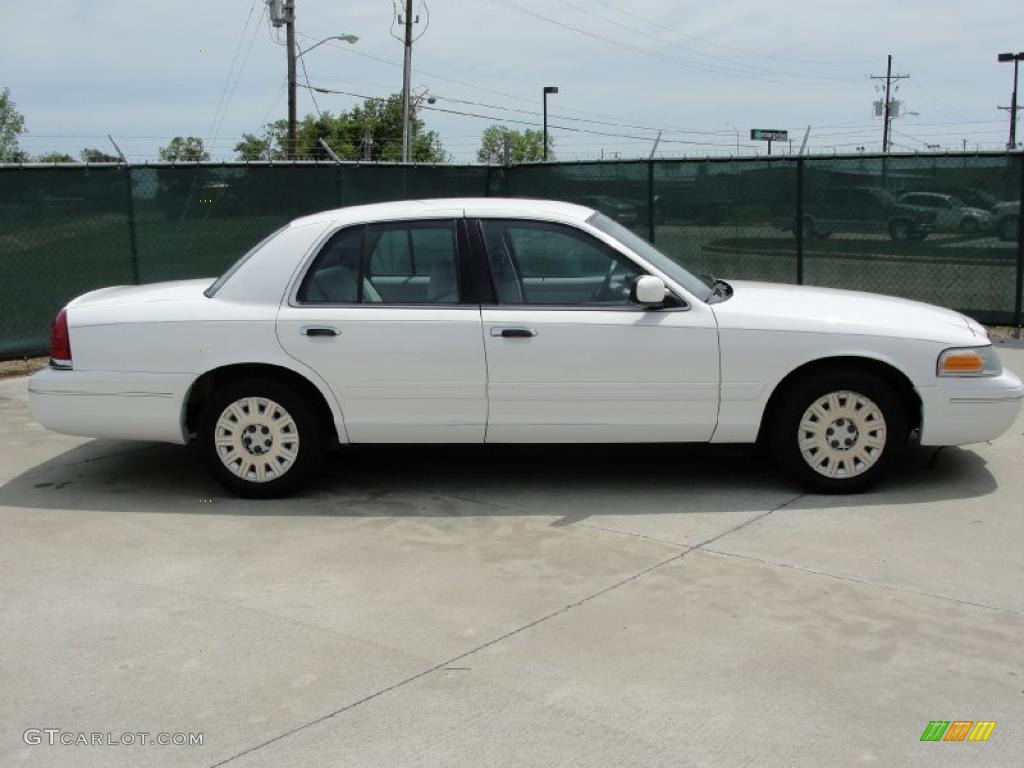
<point x="260" y="439"/>
<point x="839" y="431"/>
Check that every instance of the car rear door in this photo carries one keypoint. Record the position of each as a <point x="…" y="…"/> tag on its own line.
<point x="385" y="314"/>
<point x="570" y="359"/>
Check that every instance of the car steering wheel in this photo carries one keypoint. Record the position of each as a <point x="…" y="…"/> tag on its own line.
<point x="601" y="294"/>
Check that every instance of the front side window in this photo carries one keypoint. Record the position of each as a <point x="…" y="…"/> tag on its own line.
<point x="650" y="254"/>
<point x="535" y="262"/>
<point x="393" y="263"/>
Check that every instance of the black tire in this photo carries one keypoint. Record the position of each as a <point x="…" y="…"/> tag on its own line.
<point x="810" y="230"/>
<point x="786" y="430"/>
<point x="970" y="226"/>
<point x="310" y="441"/>
<point x="900" y="230"/>
<point x="1008" y="228"/>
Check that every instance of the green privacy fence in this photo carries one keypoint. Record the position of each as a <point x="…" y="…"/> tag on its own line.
<point x="939" y="228"/>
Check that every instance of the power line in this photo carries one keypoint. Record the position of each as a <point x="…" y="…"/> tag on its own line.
<point x="495" y="118"/>
<point x="636" y="49"/>
<point x="231" y="69"/>
<point x="738" y="69"/>
<point x="661" y="26"/>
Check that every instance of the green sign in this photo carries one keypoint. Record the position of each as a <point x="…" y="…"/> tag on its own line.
<point x="768" y="134"/>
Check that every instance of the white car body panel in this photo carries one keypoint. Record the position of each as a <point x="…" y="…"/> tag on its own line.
<point x="404" y="374"/>
<point x="435" y="373"/>
<point x="602" y="376"/>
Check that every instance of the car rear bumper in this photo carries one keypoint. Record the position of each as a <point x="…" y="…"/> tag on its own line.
<point x="127" y="406"/>
<point x="964" y="411"/>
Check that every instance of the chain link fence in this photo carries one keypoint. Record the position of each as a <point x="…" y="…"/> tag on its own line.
<point x="939" y="228"/>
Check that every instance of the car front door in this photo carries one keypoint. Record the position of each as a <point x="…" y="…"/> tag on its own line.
<point x="384" y="313"/>
<point x="571" y="359"/>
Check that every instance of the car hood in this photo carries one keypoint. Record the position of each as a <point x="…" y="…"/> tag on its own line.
<point x="173" y="290"/>
<point x="774" y="306"/>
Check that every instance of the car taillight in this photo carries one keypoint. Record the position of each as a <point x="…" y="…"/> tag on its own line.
<point x="60" y="341"/>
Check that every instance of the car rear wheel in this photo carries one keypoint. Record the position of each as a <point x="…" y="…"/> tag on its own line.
<point x="839" y="431"/>
<point x="260" y="439"/>
<point x="970" y="226"/>
<point x="810" y="230"/>
<point x="900" y="230"/>
<point x="1008" y="228"/>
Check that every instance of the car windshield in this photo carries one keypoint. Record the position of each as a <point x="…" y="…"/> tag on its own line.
<point x="982" y="198"/>
<point x="885" y="196"/>
<point x="645" y="250"/>
<point x="219" y="282"/>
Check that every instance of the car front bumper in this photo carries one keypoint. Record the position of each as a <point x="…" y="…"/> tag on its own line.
<point x="126" y="406"/>
<point x="964" y="411"/>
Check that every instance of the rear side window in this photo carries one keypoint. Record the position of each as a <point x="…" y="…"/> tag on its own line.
<point x="394" y="263"/>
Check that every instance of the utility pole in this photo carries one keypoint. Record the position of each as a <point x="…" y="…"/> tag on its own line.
<point x="1015" y="58"/>
<point x="548" y="90"/>
<point x="288" y="14"/>
<point x="654" y="149"/>
<point x="889" y="77"/>
<point x="406" y="79"/>
<point x="803" y="144"/>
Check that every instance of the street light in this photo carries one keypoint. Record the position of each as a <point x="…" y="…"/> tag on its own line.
<point x="548" y="89"/>
<point x="1015" y="58"/>
<point x="351" y="39"/>
<point x="737" y="130"/>
<point x="293" y="58"/>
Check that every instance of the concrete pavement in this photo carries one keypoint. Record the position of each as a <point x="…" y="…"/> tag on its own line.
<point x="601" y="606"/>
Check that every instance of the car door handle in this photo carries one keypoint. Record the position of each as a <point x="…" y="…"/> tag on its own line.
<point x="513" y="333"/>
<point x="319" y="330"/>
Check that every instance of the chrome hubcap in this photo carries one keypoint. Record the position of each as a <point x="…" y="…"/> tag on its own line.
<point x="256" y="439"/>
<point x="842" y="434"/>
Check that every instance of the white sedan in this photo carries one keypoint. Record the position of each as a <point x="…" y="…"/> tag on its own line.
<point x="510" y="321"/>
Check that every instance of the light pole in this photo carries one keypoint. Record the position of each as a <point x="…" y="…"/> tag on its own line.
<point x="293" y="58"/>
<point x="737" y="130"/>
<point x="1015" y="58"/>
<point x="548" y="89"/>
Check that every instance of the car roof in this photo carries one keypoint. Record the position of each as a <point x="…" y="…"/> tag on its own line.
<point x="400" y="209"/>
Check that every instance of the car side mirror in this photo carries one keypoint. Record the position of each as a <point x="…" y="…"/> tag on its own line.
<point x="648" y="291"/>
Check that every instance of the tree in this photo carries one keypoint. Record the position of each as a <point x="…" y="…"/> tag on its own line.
<point x="91" y="155"/>
<point x="524" y="146"/>
<point x="369" y="131"/>
<point x="255" y="147"/>
<point x="189" y="148"/>
<point x="12" y="123"/>
<point x="55" y="157"/>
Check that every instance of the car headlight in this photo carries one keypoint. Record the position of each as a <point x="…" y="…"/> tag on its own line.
<point x="969" y="361"/>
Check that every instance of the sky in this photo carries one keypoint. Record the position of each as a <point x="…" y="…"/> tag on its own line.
<point x="702" y="73"/>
